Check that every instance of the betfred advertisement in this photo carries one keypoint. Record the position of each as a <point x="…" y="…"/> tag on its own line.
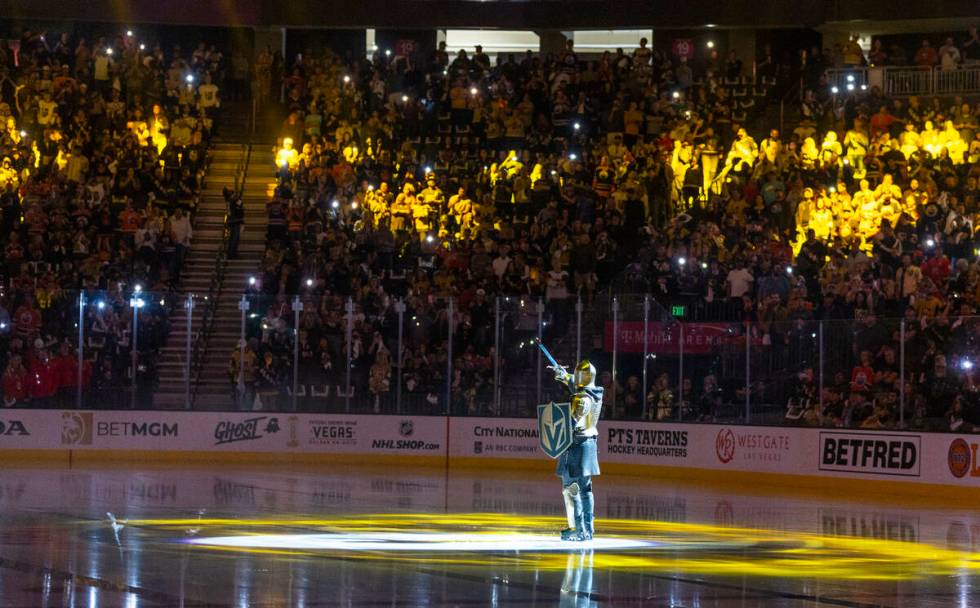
<point x="495" y="438"/>
<point x="878" y="453"/>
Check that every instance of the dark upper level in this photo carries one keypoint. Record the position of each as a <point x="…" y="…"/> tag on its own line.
<point x="526" y="14"/>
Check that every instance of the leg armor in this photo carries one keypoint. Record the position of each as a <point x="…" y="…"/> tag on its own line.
<point x="579" y="509"/>
<point x="573" y="511"/>
<point x="588" y="510"/>
<point x="569" y="494"/>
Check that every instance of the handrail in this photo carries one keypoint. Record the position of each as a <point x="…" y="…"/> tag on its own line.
<point x="255" y="107"/>
<point x="796" y="89"/>
<point x="189" y="365"/>
<point x="217" y="281"/>
<point x="240" y="168"/>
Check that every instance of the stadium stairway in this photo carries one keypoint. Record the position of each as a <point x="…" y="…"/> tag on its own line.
<point x="213" y="383"/>
<point x="209" y="274"/>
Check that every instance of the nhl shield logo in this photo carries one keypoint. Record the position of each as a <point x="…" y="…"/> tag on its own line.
<point x="554" y="428"/>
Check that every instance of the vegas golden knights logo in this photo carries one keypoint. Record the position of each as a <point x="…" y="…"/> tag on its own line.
<point x="554" y="428"/>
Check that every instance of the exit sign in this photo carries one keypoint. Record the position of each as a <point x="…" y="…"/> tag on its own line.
<point x="678" y="311"/>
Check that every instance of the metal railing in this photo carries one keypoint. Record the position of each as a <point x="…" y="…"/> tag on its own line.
<point x="902" y="81"/>
<point x="961" y="80"/>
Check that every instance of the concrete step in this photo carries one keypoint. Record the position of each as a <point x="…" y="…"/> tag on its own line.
<point x="175" y="354"/>
<point x="197" y="271"/>
<point x="204" y="273"/>
<point x="177" y="336"/>
<point x="222" y="351"/>
<point x="217" y="222"/>
<point x="178" y="327"/>
<point x="251" y="244"/>
<point x="228" y="330"/>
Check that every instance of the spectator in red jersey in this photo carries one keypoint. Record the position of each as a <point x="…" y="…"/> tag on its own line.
<point x="926" y="56"/>
<point x="862" y="376"/>
<point x="43" y="377"/>
<point x="129" y="221"/>
<point x="936" y="267"/>
<point x="27" y="319"/>
<point x="15" y="382"/>
<point x="881" y="121"/>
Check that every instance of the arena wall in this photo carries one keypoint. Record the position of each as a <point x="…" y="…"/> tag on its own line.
<point x="844" y="460"/>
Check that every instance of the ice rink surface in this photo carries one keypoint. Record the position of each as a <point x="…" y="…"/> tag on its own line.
<point x="311" y="536"/>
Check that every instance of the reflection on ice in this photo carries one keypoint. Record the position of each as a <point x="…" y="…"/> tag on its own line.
<point x="420" y="542"/>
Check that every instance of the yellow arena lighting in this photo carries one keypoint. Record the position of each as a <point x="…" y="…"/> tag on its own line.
<point x="529" y="543"/>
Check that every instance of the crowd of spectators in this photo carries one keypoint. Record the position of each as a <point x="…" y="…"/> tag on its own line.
<point x="453" y="177"/>
<point x="559" y="178"/>
<point x="104" y="147"/>
<point x="944" y="51"/>
<point x="418" y="179"/>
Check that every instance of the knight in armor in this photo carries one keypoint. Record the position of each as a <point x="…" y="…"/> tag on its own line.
<point x="580" y="462"/>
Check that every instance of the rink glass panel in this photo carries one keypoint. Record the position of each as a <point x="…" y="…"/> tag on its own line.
<point x="698" y="362"/>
